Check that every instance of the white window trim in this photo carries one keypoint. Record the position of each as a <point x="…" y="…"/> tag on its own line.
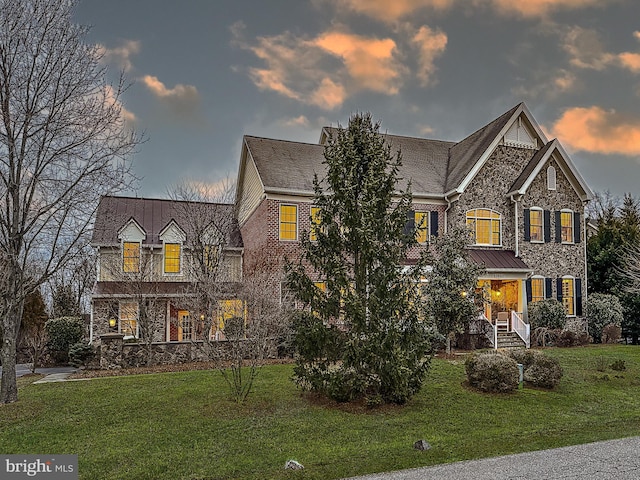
<point x="544" y="286"/>
<point x="537" y="209"/>
<point x="573" y="281"/>
<point x="139" y="255"/>
<point x="552" y="183"/>
<point x="164" y="265"/>
<point x="571" y="242"/>
<point x="280" y="221"/>
<point x="137" y="334"/>
<point x="475" y="233"/>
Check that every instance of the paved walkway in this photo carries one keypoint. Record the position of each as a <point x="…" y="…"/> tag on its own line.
<point x="613" y="459"/>
<point x="25" y="368"/>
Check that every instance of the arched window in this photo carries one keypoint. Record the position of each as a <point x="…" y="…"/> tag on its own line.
<point x="551" y="178"/>
<point x="485" y="227"/>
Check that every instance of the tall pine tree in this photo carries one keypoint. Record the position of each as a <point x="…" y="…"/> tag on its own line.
<point x="351" y="275"/>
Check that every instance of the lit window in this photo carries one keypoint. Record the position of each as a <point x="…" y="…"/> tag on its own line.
<point x="566" y="220"/>
<point x="422" y="226"/>
<point x="171" y="258"/>
<point x="315" y="221"/>
<point x="228" y="309"/>
<point x="129" y="319"/>
<point x="537" y="289"/>
<point x="568" y="295"/>
<point x="535" y="225"/>
<point x="131" y="257"/>
<point x="185" y="327"/>
<point x="322" y="286"/>
<point x="485" y="227"/>
<point x="288" y="222"/>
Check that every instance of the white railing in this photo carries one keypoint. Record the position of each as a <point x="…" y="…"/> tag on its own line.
<point x="521" y="328"/>
<point x="492" y="335"/>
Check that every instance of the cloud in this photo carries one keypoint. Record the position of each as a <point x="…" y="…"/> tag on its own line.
<point x="183" y="99"/>
<point x="369" y="61"/>
<point x="431" y="45"/>
<point x="391" y="11"/>
<point x="637" y="34"/>
<point x="120" y="55"/>
<point x="324" y="70"/>
<point x="539" y="8"/>
<point x="596" y="130"/>
<point x="300" y="121"/>
<point x="630" y="61"/>
<point x="586" y="50"/>
<point x="109" y="98"/>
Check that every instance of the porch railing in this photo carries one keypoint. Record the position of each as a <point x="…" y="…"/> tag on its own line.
<point x="522" y="329"/>
<point x="492" y="333"/>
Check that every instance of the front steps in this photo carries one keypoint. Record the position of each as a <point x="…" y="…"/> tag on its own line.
<point x="510" y="340"/>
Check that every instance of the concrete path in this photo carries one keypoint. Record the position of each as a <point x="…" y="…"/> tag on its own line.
<point x="25" y="368"/>
<point x="613" y="459"/>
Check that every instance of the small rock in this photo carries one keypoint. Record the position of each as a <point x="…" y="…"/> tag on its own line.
<point x="422" y="445"/>
<point x="293" y="465"/>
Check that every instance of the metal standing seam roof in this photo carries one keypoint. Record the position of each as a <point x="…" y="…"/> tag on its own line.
<point x="153" y="215"/>
<point x="498" y="259"/>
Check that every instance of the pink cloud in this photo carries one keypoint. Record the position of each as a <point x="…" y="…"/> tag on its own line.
<point x="120" y="55"/>
<point x="431" y="44"/>
<point x="596" y="130"/>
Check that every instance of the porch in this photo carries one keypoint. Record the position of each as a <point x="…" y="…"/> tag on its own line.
<point x="503" y="306"/>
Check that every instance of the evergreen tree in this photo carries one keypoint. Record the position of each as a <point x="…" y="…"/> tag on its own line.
<point x="65" y="302"/>
<point x="360" y="241"/>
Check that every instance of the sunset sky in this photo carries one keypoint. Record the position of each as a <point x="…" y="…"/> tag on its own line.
<point x="206" y="72"/>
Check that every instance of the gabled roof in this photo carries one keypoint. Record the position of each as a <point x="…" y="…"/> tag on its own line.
<point x="553" y="148"/>
<point x="152" y="216"/>
<point x="436" y="168"/>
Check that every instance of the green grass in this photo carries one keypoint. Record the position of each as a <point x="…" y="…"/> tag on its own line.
<point x="183" y="425"/>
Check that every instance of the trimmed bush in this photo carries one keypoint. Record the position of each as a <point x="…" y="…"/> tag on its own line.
<point x="567" y="338"/>
<point x="62" y="333"/>
<point x="80" y="353"/>
<point x="544" y="372"/>
<point x="611" y="333"/>
<point x="524" y="356"/>
<point x="548" y="313"/>
<point x="492" y="372"/>
<point x="602" y="309"/>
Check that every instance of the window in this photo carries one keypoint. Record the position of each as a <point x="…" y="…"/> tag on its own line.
<point x="185" y="327"/>
<point x="288" y="222"/>
<point x="131" y="257"/>
<point x="422" y="226"/>
<point x="171" y="258"/>
<point x="210" y="257"/>
<point x="129" y="319"/>
<point x="315" y="221"/>
<point x="536" y="225"/>
<point x="551" y="178"/>
<point x="568" y="295"/>
<point x="485" y="227"/>
<point x="537" y="289"/>
<point x="566" y="222"/>
<point x="322" y="286"/>
<point x="228" y="309"/>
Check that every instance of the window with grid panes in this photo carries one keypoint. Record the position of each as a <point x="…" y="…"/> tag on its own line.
<point x="171" y="258"/>
<point x="485" y="227"/>
<point x="288" y="222"/>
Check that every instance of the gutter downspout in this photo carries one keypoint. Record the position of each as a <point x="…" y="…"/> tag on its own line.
<point x="586" y="269"/>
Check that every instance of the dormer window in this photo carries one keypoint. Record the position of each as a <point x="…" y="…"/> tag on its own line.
<point x="172" y="257"/>
<point x="485" y="227"/>
<point x="131" y="257"/>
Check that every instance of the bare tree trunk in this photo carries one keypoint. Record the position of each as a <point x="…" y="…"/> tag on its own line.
<point x="9" y="387"/>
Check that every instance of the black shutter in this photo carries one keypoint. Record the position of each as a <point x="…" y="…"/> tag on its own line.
<point x="578" y="287"/>
<point x="410" y="224"/>
<point x="433" y="223"/>
<point x="528" y="288"/>
<point x="548" y="293"/>
<point x="547" y="226"/>
<point x="558" y="227"/>
<point x="559" y="289"/>
<point x="576" y="227"/>
<point x="527" y="227"/>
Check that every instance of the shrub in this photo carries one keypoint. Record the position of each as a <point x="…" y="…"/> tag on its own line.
<point x="602" y="309"/>
<point x="524" y="356"/>
<point x="611" y="333"/>
<point x="62" y="333"/>
<point x="492" y="372"/>
<point x="548" y="313"/>
<point x="544" y="372"/>
<point x="567" y="338"/>
<point x="544" y="336"/>
<point x="80" y="353"/>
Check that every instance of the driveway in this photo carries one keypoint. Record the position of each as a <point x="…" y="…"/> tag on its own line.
<point x="25" y="368"/>
<point x="613" y="459"/>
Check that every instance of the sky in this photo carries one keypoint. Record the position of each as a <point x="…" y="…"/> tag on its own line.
<point x="204" y="73"/>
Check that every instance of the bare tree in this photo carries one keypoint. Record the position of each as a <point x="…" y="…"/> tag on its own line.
<point x="63" y="144"/>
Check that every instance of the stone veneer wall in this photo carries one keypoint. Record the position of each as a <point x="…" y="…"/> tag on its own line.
<point x="101" y="315"/>
<point x="115" y="353"/>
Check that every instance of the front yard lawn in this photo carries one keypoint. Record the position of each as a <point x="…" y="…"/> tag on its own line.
<point x="183" y="425"/>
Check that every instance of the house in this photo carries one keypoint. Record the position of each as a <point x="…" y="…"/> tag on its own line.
<point x="150" y="253"/>
<point x="518" y="192"/>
